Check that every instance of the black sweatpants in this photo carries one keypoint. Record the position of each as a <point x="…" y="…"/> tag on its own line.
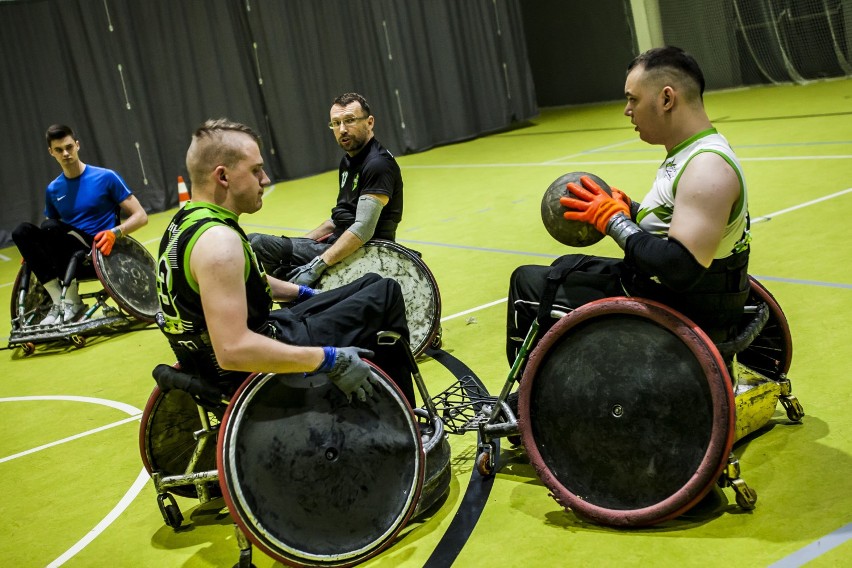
<point x="48" y="249"/>
<point x="352" y="315"/>
<point x="591" y="278"/>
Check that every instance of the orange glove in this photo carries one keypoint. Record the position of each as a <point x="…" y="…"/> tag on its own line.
<point x="593" y="205"/>
<point x="104" y="241"/>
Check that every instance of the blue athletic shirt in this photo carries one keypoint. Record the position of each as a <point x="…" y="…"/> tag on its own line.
<point x="88" y="202"/>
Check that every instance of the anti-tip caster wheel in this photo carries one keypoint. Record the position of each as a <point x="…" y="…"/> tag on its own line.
<point x="485" y="464"/>
<point x="746" y="496"/>
<point x="174" y="518"/>
<point x="77" y="341"/>
<point x="28" y="348"/>
<point x="794" y="409"/>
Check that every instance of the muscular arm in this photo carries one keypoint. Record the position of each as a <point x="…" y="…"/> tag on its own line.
<point x="706" y="193"/>
<point x="135" y="215"/>
<point x="216" y="263"/>
<point x="349" y="242"/>
<point x="705" y="196"/>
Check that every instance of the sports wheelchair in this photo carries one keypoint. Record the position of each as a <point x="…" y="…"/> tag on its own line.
<point x="628" y="411"/>
<point x="308" y="477"/>
<point x="127" y="277"/>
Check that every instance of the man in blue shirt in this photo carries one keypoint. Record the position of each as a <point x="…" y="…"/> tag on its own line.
<point x="82" y="206"/>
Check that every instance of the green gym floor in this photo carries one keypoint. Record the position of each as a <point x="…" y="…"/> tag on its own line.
<point x="74" y="492"/>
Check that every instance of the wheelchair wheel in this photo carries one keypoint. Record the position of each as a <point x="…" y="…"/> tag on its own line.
<point x="28" y="293"/>
<point x="166" y="438"/>
<point x="771" y="352"/>
<point x="627" y="412"/>
<point x="418" y="285"/>
<point x="314" y="480"/>
<point x="129" y="276"/>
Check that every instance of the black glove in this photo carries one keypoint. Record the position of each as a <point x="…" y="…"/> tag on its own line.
<point x="309" y="273"/>
<point x="349" y="372"/>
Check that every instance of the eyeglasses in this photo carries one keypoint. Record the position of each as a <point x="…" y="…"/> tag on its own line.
<point x="349" y="121"/>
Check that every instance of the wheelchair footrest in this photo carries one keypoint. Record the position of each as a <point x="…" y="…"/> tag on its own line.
<point x="45" y="333"/>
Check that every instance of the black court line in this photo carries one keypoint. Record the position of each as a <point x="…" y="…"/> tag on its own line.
<point x="475" y="496"/>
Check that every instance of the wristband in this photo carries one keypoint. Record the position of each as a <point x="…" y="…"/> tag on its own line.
<point x="329" y="356"/>
<point x="305" y="292"/>
<point x="620" y="227"/>
<point x="116" y="231"/>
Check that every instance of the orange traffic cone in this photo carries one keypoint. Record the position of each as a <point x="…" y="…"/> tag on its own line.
<point x="183" y="193"/>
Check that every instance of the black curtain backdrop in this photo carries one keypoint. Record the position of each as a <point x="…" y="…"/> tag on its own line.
<point x="135" y="78"/>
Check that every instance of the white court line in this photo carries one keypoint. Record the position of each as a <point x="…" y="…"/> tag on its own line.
<point x="559" y="162"/>
<point x="69" y="438"/>
<point x="125" y="501"/>
<point x="119" y="508"/>
<point x="817" y="548"/>
<point x="800" y="206"/>
<point x="476" y="309"/>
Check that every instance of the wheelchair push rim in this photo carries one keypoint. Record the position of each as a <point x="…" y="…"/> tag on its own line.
<point x="129" y="276"/>
<point x="314" y="480"/>
<point x="627" y="412"/>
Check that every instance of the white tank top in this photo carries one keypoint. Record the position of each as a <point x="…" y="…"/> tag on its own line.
<point x="655" y="212"/>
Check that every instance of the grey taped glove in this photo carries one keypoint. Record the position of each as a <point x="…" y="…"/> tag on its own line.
<point x="309" y="273"/>
<point x="351" y="374"/>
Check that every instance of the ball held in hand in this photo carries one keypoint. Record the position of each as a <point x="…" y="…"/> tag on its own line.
<point x="571" y="233"/>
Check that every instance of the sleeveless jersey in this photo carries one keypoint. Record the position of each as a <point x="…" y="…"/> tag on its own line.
<point x="656" y="209"/>
<point x="180" y="303"/>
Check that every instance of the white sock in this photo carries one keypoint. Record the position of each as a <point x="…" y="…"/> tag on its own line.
<point x="54" y="290"/>
<point x="72" y="295"/>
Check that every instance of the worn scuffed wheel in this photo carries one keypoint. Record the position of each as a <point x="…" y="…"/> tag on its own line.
<point x="660" y="407"/>
<point x="313" y="479"/>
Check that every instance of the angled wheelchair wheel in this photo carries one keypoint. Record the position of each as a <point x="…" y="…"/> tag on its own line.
<point x="771" y="352"/>
<point x="30" y="301"/>
<point x="167" y="441"/>
<point x="314" y="480"/>
<point x="627" y="412"/>
<point x="418" y="285"/>
<point x="129" y="276"/>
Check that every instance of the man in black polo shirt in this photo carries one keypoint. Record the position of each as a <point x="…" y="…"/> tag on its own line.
<point x="369" y="203"/>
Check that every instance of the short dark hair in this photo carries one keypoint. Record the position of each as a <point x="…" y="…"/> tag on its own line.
<point x="347" y="98"/>
<point x="672" y="58"/>
<point x="58" y="132"/>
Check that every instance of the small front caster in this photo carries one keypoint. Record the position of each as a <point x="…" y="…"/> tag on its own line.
<point x="171" y="512"/>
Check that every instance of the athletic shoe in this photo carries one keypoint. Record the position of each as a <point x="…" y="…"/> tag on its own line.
<point x="73" y="311"/>
<point x="52" y="316"/>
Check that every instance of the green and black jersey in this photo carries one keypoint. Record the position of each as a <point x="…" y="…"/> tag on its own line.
<point x="180" y="302"/>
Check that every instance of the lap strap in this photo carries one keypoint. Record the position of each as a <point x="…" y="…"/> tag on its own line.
<point x="559" y="271"/>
